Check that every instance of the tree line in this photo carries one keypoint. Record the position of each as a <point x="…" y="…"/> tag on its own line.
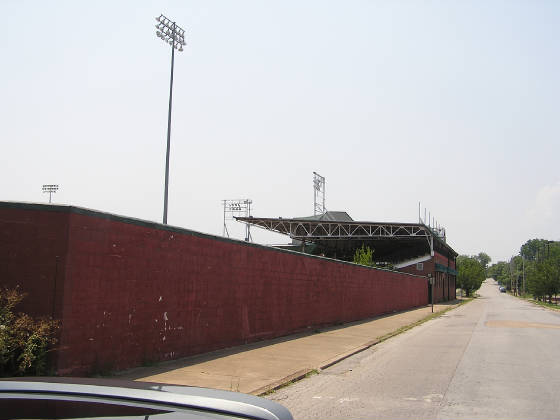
<point x="534" y="271"/>
<point x="471" y="270"/>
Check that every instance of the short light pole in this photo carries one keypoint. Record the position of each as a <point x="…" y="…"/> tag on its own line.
<point x="171" y="33"/>
<point x="431" y="281"/>
<point x="50" y="189"/>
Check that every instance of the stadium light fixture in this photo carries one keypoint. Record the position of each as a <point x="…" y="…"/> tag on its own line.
<point x="240" y="207"/>
<point x="174" y="35"/>
<point x="50" y="189"/>
<point x="318" y="194"/>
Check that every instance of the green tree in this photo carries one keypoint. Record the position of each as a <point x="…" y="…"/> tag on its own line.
<point x="470" y="273"/>
<point x="484" y="259"/>
<point x="535" y="279"/>
<point x="499" y="272"/>
<point x="543" y="272"/>
<point x="364" y="256"/>
<point x="533" y="248"/>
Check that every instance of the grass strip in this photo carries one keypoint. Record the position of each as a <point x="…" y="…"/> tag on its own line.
<point x="421" y="321"/>
<point x="378" y="340"/>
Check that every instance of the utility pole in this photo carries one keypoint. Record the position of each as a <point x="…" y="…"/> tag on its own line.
<point x="523" y="262"/>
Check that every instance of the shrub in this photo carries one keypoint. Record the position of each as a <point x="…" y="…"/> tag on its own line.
<point x="364" y="256"/>
<point x="24" y="341"/>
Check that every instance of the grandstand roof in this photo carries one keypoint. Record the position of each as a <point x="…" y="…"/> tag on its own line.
<point x="334" y="234"/>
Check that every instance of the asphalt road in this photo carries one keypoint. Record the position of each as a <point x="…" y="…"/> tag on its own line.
<point x="496" y="357"/>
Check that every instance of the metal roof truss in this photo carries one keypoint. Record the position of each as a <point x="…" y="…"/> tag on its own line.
<point x="324" y="230"/>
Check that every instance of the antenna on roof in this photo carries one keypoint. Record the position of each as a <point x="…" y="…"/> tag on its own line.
<point x="318" y="194"/>
<point x="432" y="224"/>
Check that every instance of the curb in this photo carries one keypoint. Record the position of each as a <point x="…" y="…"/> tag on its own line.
<point x="304" y="372"/>
<point x="301" y="374"/>
<point x="343" y="356"/>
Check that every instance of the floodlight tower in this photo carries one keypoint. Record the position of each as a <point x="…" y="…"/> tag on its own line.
<point x="171" y="33"/>
<point x="318" y="194"/>
<point x="50" y="188"/>
<point x="241" y="208"/>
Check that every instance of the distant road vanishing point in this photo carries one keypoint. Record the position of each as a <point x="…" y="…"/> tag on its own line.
<point x="494" y="358"/>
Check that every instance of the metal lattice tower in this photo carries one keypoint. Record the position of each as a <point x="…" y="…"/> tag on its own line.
<point x="318" y="194"/>
<point x="241" y="207"/>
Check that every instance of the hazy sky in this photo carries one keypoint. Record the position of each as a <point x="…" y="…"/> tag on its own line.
<point x="451" y="103"/>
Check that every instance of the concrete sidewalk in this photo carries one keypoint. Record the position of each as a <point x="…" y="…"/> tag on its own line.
<point x="259" y="367"/>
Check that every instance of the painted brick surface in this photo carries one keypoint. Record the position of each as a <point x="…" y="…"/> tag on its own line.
<point x="443" y="260"/>
<point x="130" y="292"/>
<point x="444" y="284"/>
<point x="428" y="267"/>
<point x="33" y="247"/>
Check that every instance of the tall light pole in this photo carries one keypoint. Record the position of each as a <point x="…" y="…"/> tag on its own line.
<point x="171" y="33"/>
<point x="50" y="188"/>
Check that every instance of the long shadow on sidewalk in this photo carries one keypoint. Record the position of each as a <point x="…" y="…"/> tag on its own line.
<point x="166" y="366"/>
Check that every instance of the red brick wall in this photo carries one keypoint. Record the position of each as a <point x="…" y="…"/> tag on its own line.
<point x="440" y="259"/>
<point x="444" y="284"/>
<point x="133" y="291"/>
<point x="428" y="267"/>
<point x="452" y="287"/>
<point x="33" y="248"/>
